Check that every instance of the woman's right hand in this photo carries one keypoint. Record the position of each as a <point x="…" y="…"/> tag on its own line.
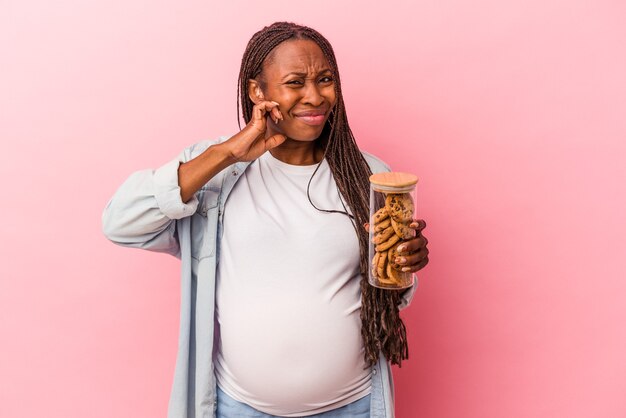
<point x="247" y="145"/>
<point x="251" y="143"/>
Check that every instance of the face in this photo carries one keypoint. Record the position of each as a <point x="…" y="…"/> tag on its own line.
<point x="297" y="76"/>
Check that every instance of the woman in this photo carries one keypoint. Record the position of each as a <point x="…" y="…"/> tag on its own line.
<point x="277" y="317"/>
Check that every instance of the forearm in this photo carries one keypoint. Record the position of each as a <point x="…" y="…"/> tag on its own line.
<point x="142" y="211"/>
<point x="194" y="174"/>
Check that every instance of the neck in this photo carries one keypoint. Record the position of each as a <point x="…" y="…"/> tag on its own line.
<point x="298" y="152"/>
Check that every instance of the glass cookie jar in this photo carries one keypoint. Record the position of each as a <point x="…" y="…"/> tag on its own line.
<point x="392" y="210"/>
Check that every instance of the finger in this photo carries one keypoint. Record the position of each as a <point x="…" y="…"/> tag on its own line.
<point x="413" y="245"/>
<point x="277" y="116"/>
<point x="418" y="224"/>
<point x="417" y="266"/>
<point x="260" y="109"/>
<point x="257" y="113"/>
<point x="367" y="226"/>
<point x="259" y="116"/>
<point x="412" y="259"/>
<point x="271" y="110"/>
<point x="260" y="112"/>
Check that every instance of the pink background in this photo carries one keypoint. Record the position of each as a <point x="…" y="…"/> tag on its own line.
<point x="512" y="114"/>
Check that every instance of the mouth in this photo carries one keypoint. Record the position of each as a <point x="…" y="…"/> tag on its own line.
<point x="311" y="117"/>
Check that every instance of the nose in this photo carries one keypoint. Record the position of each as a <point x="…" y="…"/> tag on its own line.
<point x="312" y="94"/>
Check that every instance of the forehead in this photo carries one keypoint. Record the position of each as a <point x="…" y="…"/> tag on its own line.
<point x="299" y="55"/>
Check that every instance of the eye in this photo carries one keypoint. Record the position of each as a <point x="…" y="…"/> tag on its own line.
<point x="294" y="82"/>
<point x="326" y="79"/>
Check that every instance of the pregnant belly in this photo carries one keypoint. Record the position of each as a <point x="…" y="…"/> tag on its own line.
<point x="291" y="355"/>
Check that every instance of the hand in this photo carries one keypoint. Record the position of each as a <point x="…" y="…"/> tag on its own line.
<point x="250" y="143"/>
<point x="413" y="254"/>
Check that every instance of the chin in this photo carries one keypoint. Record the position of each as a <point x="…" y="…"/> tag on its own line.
<point x="304" y="135"/>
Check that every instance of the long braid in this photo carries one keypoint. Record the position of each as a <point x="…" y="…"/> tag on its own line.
<point x="382" y="328"/>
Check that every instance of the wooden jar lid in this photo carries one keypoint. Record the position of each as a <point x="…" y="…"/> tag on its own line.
<point x="393" y="179"/>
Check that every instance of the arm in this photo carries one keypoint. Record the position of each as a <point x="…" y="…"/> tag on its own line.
<point x="143" y="211"/>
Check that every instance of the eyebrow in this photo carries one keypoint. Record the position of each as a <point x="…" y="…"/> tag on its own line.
<point x="304" y="74"/>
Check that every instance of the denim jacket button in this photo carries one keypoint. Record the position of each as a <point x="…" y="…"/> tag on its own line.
<point x="373" y="371"/>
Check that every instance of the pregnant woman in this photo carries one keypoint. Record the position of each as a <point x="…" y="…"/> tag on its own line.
<point x="277" y="316"/>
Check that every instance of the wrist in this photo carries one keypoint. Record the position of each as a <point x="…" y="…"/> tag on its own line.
<point x="224" y="154"/>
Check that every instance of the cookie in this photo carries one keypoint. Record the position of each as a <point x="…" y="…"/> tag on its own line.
<point x="380" y="215"/>
<point x="382" y="225"/>
<point x="391" y="256"/>
<point x="375" y="263"/>
<point x="388" y="244"/>
<point x="403" y="230"/>
<point x="374" y="266"/>
<point x="381" y="265"/>
<point x="393" y="274"/>
<point x="400" y="207"/>
<point x="383" y="236"/>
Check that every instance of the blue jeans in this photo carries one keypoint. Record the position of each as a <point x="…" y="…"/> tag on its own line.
<point x="227" y="407"/>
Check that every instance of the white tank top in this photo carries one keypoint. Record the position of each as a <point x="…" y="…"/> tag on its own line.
<point x="288" y="295"/>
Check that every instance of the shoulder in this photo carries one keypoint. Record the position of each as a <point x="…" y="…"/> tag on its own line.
<point x="376" y="164"/>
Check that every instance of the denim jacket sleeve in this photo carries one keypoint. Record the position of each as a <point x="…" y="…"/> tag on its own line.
<point x="143" y="211"/>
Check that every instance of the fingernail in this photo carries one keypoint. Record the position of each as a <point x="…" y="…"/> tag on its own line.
<point x="402" y="248"/>
<point x="275" y="103"/>
<point x="405" y="269"/>
<point x="400" y="260"/>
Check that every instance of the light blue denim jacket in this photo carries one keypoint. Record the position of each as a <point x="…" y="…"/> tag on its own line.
<point x="147" y="212"/>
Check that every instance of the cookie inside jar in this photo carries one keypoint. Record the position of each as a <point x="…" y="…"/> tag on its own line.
<point x="392" y="211"/>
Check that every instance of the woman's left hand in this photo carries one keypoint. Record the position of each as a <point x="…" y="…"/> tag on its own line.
<point x="413" y="254"/>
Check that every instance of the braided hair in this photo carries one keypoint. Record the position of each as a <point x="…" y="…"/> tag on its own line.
<point x="382" y="328"/>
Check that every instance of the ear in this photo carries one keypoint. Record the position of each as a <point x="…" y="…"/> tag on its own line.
<point x="254" y="91"/>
